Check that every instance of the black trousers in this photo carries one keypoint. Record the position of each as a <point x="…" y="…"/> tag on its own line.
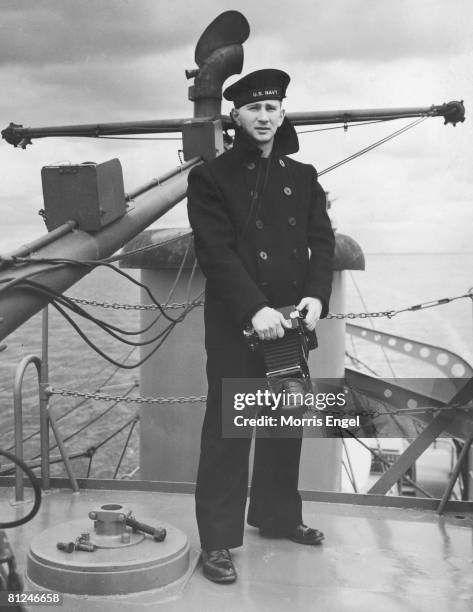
<point x="222" y="479"/>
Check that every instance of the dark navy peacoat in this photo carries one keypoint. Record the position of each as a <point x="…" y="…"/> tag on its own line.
<point x="255" y="222"/>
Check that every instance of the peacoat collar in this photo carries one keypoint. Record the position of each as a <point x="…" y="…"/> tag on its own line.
<point x="285" y="143"/>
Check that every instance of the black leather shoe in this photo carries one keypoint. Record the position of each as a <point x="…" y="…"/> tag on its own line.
<point x="300" y="534"/>
<point x="218" y="566"/>
<point x="305" y="535"/>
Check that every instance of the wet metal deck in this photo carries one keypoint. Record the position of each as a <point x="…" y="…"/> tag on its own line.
<point x="374" y="558"/>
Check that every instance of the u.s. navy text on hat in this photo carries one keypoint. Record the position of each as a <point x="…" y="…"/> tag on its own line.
<point x="264" y="84"/>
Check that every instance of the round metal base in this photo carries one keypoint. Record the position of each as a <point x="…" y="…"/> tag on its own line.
<point x="140" y="567"/>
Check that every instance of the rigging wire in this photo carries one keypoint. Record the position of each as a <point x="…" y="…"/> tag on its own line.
<point x="386" y="463"/>
<point x="189" y="282"/>
<point x="346" y="126"/>
<point x="125" y="447"/>
<point x="93" y="449"/>
<point x="90" y="452"/>
<point x="78" y="404"/>
<point x="84" y="426"/>
<point x="178" y="276"/>
<point x="56" y="459"/>
<point x="349" y="470"/>
<point x="93" y="420"/>
<point x="360" y="295"/>
<point x="153" y="138"/>
<point x="148" y="247"/>
<point x="357" y="362"/>
<point x="134" y="137"/>
<point x="114" y="433"/>
<point x="372" y="146"/>
<point x="349" y="476"/>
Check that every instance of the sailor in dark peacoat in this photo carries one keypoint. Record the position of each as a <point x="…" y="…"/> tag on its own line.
<point x="254" y="221"/>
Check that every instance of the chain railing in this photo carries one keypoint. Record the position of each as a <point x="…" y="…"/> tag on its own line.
<point x="49" y="390"/>
<point x="126" y="399"/>
<point x="195" y="399"/>
<point x="331" y="315"/>
<point x="118" y="306"/>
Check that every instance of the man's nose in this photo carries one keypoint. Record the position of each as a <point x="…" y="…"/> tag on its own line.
<point x="263" y="116"/>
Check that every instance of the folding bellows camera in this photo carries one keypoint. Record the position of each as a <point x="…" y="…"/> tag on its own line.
<point x="285" y="359"/>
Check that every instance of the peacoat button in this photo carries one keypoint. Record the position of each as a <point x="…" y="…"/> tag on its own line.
<point x="287" y="191"/>
<point x="294" y="283"/>
<point x="291" y="221"/>
<point x="282" y="163"/>
<point x="259" y="224"/>
<point x="263" y="255"/>
<point x="251" y="165"/>
<point x="295" y="253"/>
<point x="264" y="284"/>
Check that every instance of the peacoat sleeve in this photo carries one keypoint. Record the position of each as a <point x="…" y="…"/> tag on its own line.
<point x="215" y="248"/>
<point x="321" y="242"/>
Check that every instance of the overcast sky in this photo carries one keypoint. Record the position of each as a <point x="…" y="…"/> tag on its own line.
<point x="82" y="61"/>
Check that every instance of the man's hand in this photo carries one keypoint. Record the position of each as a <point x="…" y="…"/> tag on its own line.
<point x="269" y="324"/>
<point x="314" y="309"/>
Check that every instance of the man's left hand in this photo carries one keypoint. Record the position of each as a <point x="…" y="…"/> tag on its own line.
<point x="314" y="309"/>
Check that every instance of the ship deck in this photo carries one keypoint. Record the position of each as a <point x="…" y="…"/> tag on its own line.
<point x="374" y="557"/>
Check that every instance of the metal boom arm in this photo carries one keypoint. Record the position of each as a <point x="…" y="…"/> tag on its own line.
<point x="17" y="135"/>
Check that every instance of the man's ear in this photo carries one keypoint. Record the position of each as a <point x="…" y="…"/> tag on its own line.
<point x="235" y="116"/>
<point x="281" y="117"/>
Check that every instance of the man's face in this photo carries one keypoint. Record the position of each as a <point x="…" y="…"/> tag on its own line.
<point x="260" y="120"/>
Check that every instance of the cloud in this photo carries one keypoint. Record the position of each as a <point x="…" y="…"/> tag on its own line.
<point x="378" y="30"/>
<point x="67" y="31"/>
<point x="69" y="62"/>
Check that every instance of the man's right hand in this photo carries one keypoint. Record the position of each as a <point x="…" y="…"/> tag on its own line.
<point x="269" y="324"/>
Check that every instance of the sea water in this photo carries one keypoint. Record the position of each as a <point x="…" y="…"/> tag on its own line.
<point x="389" y="282"/>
